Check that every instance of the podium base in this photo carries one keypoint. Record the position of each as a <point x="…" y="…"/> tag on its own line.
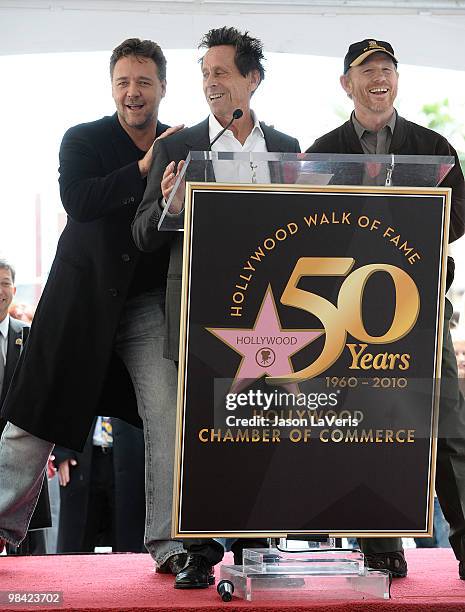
<point x="270" y="574"/>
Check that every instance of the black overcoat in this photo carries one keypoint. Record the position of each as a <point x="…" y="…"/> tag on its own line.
<point x="69" y="370"/>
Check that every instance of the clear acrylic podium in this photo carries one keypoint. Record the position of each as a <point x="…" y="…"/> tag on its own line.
<point x="321" y="573"/>
<point x="301" y="169"/>
<point x="317" y="569"/>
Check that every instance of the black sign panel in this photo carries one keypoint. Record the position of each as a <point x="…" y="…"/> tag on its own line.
<point x="311" y="341"/>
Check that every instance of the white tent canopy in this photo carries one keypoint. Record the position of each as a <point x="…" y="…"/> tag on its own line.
<point x="427" y="32"/>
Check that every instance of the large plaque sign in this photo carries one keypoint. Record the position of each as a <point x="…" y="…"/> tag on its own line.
<point x="310" y="352"/>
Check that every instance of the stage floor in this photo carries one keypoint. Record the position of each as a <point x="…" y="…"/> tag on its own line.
<point x="127" y="582"/>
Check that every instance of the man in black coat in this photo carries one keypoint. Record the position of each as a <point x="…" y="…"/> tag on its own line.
<point x="232" y="71"/>
<point x="96" y="342"/>
<point x="370" y="79"/>
<point x="102" y="497"/>
<point x="13" y="335"/>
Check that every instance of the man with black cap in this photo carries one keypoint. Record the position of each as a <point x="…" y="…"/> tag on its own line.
<point x="370" y="80"/>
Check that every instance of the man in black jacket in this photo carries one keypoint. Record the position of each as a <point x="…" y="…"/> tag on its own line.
<point x="102" y="496"/>
<point x="370" y="79"/>
<point x="96" y="342"/>
<point x="232" y="70"/>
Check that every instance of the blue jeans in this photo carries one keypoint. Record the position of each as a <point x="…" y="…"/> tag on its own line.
<point x="139" y="343"/>
<point x="440" y="531"/>
<point x="23" y="458"/>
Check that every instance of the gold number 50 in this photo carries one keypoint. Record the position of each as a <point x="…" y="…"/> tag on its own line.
<point x="347" y="316"/>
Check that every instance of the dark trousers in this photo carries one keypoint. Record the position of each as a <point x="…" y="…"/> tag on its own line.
<point x="450" y="461"/>
<point x="33" y="544"/>
<point x="213" y="551"/>
<point x="101" y="504"/>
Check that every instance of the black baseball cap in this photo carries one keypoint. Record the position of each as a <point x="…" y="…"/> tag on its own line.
<point x="359" y="51"/>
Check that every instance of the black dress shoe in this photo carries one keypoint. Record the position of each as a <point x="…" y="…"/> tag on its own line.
<point x="238" y="548"/>
<point x="173" y="565"/>
<point x="462" y="570"/>
<point x="198" y="574"/>
<point x="393" y="562"/>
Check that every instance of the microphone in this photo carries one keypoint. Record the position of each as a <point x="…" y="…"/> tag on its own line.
<point x="237" y="114"/>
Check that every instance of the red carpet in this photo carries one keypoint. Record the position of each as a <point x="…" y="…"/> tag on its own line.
<point x="127" y="583"/>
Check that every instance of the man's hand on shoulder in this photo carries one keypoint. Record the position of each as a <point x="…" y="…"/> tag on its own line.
<point x="146" y="161"/>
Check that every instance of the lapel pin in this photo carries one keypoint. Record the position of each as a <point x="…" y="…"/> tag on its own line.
<point x="19" y="342"/>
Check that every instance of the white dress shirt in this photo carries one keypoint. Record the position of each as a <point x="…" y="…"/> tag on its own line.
<point x="243" y="171"/>
<point x="4" y="326"/>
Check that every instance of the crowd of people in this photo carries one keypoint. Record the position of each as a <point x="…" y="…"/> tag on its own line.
<point x="105" y="335"/>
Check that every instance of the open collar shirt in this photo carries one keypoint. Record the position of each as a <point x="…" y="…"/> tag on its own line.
<point x="239" y="172"/>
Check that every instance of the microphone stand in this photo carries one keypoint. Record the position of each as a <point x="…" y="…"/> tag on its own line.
<point x="237" y="114"/>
